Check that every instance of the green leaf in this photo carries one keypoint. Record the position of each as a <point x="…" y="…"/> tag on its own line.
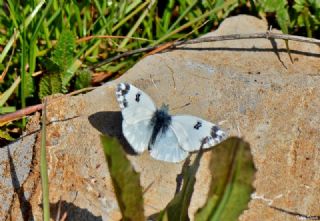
<point x="177" y="209"/>
<point x="49" y="84"/>
<point x="273" y="5"/>
<point x="51" y="66"/>
<point x="125" y="180"/>
<point x="298" y="5"/>
<point x="5" y="135"/>
<point x="29" y="88"/>
<point x="63" y="56"/>
<point x="5" y="96"/>
<point x="83" y="79"/>
<point x="283" y="19"/>
<point x="7" y="109"/>
<point x="232" y="171"/>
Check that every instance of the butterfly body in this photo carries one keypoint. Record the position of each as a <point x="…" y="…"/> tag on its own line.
<point x="168" y="138"/>
<point x="160" y="122"/>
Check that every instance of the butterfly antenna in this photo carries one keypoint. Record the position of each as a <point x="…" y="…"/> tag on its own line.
<point x="155" y="85"/>
<point x="239" y="131"/>
<point x="182" y="106"/>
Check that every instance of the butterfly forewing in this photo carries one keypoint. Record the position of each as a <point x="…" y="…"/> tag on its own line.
<point x="193" y="132"/>
<point x="135" y="104"/>
<point x="166" y="147"/>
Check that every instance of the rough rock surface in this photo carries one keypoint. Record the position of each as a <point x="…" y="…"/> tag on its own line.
<point x="250" y="85"/>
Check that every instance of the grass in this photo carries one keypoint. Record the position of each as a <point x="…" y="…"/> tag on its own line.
<point x="43" y="168"/>
<point x="35" y="61"/>
<point x="30" y="32"/>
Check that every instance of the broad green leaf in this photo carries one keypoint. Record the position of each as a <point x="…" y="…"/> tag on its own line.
<point x="125" y="180"/>
<point x="273" y="5"/>
<point x="83" y="79"/>
<point x="298" y="5"/>
<point x="177" y="208"/>
<point x="63" y="56"/>
<point x="49" y="84"/>
<point x="231" y="185"/>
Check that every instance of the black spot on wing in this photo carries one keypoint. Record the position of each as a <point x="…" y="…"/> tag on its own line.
<point x="138" y="95"/>
<point x="214" y="131"/>
<point x="125" y="103"/>
<point x="123" y="88"/>
<point x="121" y="92"/>
<point x="197" y="125"/>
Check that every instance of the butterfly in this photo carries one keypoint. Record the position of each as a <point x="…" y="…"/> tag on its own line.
<point x="168" y="138"/>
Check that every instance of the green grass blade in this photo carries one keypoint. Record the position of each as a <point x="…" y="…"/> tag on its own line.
<point x="167" y="14"/>
<point x="136" y="25"/>
<point x="125" y="180"/>
<point x="124" y="20"/>
<point x="24" y="61"/>
<point x="17" y="34"/>
<point x="8" y="109"/>
<point x="190" y="23"/>
<point x="43" y="167"/>
<point x="5" y="135"/>
<point x="33" y="41"/>
<point x="182" y="16"/>
<point x="5" y="96"/>
<point x="231" y="186"/>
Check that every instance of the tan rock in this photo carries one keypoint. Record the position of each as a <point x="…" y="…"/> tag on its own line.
<point x="254" y="88"/>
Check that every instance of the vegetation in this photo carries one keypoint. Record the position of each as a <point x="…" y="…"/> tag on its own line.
<point x="50" y="47"/>
<point x="231" y="185"/>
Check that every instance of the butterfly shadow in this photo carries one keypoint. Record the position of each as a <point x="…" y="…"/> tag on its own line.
<point x="73" y="212"/>
<point x="110" y="123"/>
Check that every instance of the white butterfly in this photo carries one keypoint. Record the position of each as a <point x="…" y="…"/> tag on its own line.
<point x="168" y="138"/>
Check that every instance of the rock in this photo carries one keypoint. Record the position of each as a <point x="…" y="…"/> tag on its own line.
<point x="250" y="85"/>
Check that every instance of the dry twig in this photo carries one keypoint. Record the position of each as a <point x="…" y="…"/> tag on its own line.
<point x="266" y="35"/>
<point x="31" y="109"/>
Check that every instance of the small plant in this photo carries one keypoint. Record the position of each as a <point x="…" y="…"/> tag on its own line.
<point x="232" y="173"/>
<point x="77" y="36"/>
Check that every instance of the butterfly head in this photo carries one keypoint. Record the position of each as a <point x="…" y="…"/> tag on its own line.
<point x="165" y="108"/>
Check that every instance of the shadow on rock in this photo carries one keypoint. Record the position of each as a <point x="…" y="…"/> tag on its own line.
<point x="110" y="123"/>
<point x="25" y="206"/>
<point x="73" y="212"/>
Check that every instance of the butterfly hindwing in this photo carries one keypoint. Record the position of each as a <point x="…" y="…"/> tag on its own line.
<point x="166" y="147"/>
<point x="138" y="134"/>
<point x="135" y="104"/>
<point x="193" y="132"/>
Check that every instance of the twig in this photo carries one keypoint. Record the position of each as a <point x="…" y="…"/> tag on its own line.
<point x="31" y="109"/>
<point x="266" y="35"/>
<point x="20" y="113"/>
<point x="303" y="216"/>
<point x="87" y="38"/>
